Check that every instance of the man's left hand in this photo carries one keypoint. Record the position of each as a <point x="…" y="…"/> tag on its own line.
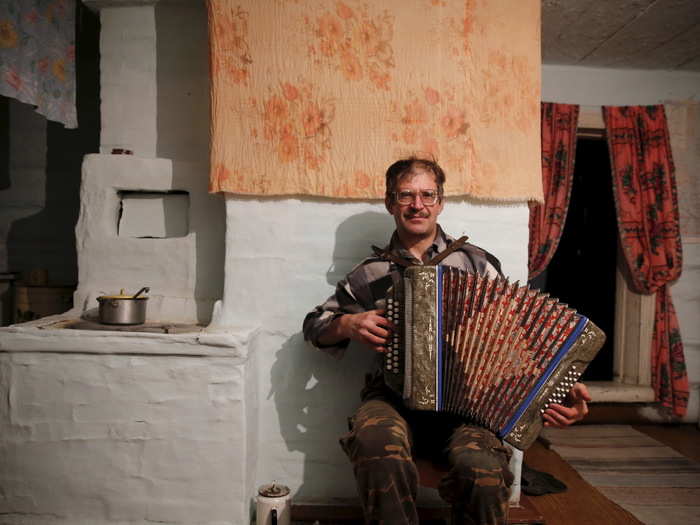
<point x="574" y="409"/>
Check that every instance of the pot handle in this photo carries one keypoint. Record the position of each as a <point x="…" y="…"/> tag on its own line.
<point x="144" y="289"/>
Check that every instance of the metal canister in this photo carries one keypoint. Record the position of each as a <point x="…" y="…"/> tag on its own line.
<point x="273" y="505"/>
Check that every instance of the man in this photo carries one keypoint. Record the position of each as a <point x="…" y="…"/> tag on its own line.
<point x="385" y="436"/>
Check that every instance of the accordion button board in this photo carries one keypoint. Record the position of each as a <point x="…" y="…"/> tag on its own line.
<point x="493" y="352"/>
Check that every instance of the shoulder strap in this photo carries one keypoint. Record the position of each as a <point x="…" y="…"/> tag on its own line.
<point x="454" y="246"/>
<point x="384" y="254"/>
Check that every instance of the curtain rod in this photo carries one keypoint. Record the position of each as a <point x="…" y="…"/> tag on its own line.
<point x="598" y="133"/>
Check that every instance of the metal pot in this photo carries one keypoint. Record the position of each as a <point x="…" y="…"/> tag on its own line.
<point x="122" y="308"/>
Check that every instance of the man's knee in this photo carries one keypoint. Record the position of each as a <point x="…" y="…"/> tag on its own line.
<point x="374" y="441"/>
<point x="484" y="469"/>
<point x="377" y="432"/>
<point x="476" y="454"/>
<point x="480" y="472"/>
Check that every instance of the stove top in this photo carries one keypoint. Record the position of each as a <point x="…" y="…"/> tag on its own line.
<point x="150" y="326"/>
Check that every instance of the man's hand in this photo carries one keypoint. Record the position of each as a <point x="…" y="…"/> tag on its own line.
<point x="370" y="328"/>
<point x="574" y="409"/>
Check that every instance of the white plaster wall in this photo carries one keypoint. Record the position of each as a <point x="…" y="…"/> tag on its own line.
<point x="283" y="257"/>
<point x="155" y="88"/>
<point x="122" y="439"/>
<point x="128" y="79"/>
<point x="686" y="301"/>
<point x="158" y="433"/>
<point x="595" y="87"/>
<point x="590" y="86"/>
<point x="175" y="269"/>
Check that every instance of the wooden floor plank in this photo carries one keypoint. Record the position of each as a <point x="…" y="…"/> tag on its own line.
<point x="581" y="504"/>
<point x="683" y="438"/>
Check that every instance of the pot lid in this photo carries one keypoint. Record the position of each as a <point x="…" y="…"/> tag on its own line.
<point x="122" y="295"/>
<point x="273" y="490"/>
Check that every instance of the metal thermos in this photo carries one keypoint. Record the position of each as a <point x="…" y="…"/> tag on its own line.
<point x="273" y="505"/>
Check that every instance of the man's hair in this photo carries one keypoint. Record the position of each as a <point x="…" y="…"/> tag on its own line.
<point x="399" y="169"/>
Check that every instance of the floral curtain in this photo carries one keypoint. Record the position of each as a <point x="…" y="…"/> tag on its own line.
<point x="647" y="213"/>
<point x="37" y="56"/>
<point x="319" y="98"/>
<point x="559" y="123"/>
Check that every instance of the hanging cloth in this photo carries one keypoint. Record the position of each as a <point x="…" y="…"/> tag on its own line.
<point x="37" y="56"/>
<point x="318" y="98"/>
<point x="647" y="214"/>
<point x="559" y="123"/>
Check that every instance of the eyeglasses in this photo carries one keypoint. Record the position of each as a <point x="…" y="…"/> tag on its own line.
<point x="429" y="197"/>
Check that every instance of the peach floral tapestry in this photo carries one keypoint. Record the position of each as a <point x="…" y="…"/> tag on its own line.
<point x="319" y="98"/>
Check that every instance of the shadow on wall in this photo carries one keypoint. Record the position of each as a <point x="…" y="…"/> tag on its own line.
<point x="4" y="143"/>
<point x="354" y="238"/>
<point x="46" y="239"/>
<point x="315" y="393"/>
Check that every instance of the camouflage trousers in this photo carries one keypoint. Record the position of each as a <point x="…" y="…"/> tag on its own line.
<point x="384" y="438"/>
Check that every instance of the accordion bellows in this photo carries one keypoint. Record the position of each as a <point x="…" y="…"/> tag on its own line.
<point x="493" y="352"/>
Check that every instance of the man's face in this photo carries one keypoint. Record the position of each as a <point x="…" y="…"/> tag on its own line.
<point x="415" y="219"/>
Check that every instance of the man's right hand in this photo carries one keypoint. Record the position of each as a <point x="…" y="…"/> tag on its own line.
<point x="370" y="328"/>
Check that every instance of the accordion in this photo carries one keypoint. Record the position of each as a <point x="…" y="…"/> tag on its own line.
<point x="493" y="352"/>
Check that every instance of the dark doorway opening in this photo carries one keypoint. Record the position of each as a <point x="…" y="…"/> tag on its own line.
<point x="582" y="271"/>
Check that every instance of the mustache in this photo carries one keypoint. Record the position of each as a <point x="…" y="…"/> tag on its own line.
<point x="420" y="214"/>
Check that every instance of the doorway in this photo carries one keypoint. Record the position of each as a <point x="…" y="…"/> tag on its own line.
<point x="582" y="272"/>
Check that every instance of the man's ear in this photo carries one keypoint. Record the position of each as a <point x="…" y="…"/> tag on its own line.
<point x="388" y="201"/>
<point x="440" y="204"/>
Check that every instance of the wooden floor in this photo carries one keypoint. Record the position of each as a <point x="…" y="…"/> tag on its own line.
<point x="582" y="504"/>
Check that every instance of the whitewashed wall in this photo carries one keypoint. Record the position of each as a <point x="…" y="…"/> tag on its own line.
<point x="141" y="438"/>
<point x="284" y="256"/>
<point x="155" y="103"/>
<point x="594" y="87"/>
<point x="136" y="428"/>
